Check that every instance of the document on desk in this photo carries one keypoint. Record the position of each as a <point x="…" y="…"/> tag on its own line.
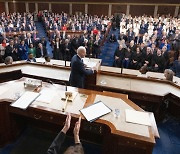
<point x="46" y="96"/>
<point x="25" y="100"/>
<point x="89" y="63"/>
<point x="3" y="90"/>
<point x="95" y="111"/>
<point x="137" y="117"/>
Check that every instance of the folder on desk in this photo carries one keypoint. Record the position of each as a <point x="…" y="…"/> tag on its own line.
<point x="137" y="117"/>
<point x="95" y="111"/>
<point x="25" y="100"/>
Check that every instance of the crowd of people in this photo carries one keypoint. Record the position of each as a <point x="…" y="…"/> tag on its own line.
<point x="147" y="41"/>
<point x="18" y="37"/>
<point x="65" y="45"/>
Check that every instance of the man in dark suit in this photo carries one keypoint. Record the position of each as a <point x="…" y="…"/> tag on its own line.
<point x="78" y="71"/>
<point x="41" y="51"/>
<point x="11" y="50"/>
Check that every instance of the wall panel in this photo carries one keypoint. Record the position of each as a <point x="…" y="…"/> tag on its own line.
<point x="97" y="9"/>
<point x="166" y="10"/>
<point x="119" y="9"/>
<point x="2" y="7"/>
<point x="136" y="10"/>
<point x="58" y="8"/>
<point x="115" y="1"/>
<point x="11" y="7"/>
<point x="78" y="8"/>
<point x="43" y="6"/>
<point x="20" y="7"/>
<point x="32" y="7"/>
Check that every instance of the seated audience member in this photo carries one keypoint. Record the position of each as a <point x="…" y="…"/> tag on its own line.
<point x="41" y="51"/>
<point x="31" y="57"/>
<point x="158" y="62"/>
<point x="8" y="60"/>
<point x="118" y="56"/>
<point x="55" y="147"/>
<point x="12" y="51"/>
<point x="176" y="67"/>
<point x="112" y="38"/>
<point x="47" y="59"/>
<point x="127" y="58"/>
<point x="147" y="57"/>
<point x="169" y="74"/>
<point x="136" y="60"/>
<point x="32" y="49"/>
<point x="143" y="69"/>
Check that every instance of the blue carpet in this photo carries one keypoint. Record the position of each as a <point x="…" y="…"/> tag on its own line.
<point x="37" y="141"/>
<point x="42" y="33"/>
<point x="169" y="142"/>
<point x="108" y="49"/>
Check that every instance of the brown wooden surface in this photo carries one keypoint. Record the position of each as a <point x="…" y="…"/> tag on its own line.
<point x="2" y="7"/>
<point x="100" y="127"/>
<point x="32" y="7"/>
<point x="78" y="8"/>
<point x="115" y="1"/>
<point x="137" y="10"/>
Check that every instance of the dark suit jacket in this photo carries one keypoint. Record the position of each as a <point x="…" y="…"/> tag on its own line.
<point x="56" y="144"/>
<point x="9" y="52"/>
<point x="78" y="72"/>
<point x="38" y="52"/>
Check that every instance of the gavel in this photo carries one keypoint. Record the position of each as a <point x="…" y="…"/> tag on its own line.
<point x="67" y="95"/>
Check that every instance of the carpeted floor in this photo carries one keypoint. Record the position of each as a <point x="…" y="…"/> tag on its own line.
<point x="36" y="141"/>
<point x="42" y="33"/>
<point x="108" y="49"/>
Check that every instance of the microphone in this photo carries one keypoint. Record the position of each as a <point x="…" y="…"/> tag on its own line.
<point x="59" y="82"/>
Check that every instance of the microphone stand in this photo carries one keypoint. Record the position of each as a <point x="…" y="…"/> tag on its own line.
<point x="121" y="68"/>
<point x="59" y="82"/>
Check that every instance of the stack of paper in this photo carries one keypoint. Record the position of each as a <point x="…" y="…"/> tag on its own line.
<point x="137" y="117"/>
<point x="25" y="100"/>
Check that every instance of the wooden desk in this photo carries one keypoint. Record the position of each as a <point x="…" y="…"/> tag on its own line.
<point x="150" y="92"/>
<point x="114" y="134"/>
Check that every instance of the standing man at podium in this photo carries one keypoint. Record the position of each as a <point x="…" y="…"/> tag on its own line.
<point x="78" y="70"/>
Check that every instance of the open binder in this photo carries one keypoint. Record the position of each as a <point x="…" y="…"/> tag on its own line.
<point x="25" y="100"/>
<point x="95" y="111"/>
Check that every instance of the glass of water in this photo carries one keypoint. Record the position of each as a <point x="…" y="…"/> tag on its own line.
<point x="117" y="113"/>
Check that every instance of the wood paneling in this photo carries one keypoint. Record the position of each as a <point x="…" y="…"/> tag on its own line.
<point x="114" y="1"/>
<point x="136" y="10"/>
<point x="32" y="7"/>
<point x="43" y="6"/>
<point x="20" y="7"/>
<point x="97" y="9"/>
<point x="58" y="8"/>
<point x="78" y="8"/>
<point x="166" y="10"/>
<point x="118" y="9"/>
<point x="2" y="7"/>
<point x="11" y="7"/>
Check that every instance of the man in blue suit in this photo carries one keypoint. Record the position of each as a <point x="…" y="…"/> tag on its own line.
<point x="78" y="70"/>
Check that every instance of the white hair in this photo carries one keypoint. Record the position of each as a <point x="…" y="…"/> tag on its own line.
<point x="80" y="49"/>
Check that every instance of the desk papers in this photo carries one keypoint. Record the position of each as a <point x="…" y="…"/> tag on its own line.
<point x="95" y="111"/>
<point x="25" y="100"/>
<point x="3" y="90"/>
<point x="46" y="96"/>
<point x="137" y="117"/>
